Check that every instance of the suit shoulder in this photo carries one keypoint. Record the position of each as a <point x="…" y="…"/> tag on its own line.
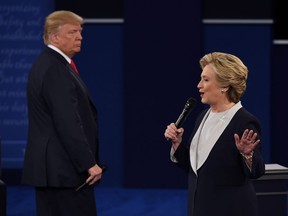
<point x="242" y="113"/>
<point x="244" y="118"/>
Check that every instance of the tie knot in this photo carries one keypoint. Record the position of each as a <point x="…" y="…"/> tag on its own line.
<point x="73" y="66"/>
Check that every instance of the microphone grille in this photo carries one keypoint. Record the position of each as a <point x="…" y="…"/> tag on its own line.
<point x="191" y="102"/>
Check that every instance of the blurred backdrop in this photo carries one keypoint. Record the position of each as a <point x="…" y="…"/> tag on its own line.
<point x="139" y="60"/>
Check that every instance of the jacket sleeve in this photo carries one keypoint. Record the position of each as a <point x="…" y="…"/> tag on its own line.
<point x="258" y="165"/>
<point x="65" y="101"/>
<point x="182" y="152"/>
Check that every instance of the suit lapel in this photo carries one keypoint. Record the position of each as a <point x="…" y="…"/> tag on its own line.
<point x="71" y="71"/>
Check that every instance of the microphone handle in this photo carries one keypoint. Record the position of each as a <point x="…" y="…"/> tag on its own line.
<point x="187" y="109"/>
<point x="181" y="118"/>
<point x="180" y="121"/>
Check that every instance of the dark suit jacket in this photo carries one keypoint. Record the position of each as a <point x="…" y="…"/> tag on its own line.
<point x="223" y="183"/>
<point x="63" y="130"/>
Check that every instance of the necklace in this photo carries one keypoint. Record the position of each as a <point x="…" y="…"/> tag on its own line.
<point x="222" y="118"/>
<point x="219" y="115"/>
<point x="222" y="115"/>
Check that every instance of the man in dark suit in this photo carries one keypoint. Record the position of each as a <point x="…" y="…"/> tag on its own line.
<point x="62" y="148"/>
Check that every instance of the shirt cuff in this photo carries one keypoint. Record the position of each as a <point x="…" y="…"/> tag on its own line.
<point x="172" y="157"/>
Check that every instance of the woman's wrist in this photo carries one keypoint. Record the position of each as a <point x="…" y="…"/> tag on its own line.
<point x="247" y="156"/>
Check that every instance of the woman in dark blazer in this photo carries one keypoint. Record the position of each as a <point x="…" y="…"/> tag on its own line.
<point x="223" y="152"/>
<point x="62" y="149"/>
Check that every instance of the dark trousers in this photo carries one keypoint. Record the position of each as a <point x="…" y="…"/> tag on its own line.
<point x="3" y="192"/>
<point x="65" y="202"/>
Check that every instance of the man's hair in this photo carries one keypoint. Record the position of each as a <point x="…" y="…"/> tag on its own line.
<point x="57" y="19"/>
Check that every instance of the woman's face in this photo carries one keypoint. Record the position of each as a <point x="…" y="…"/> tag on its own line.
<point x="209" y="88"/>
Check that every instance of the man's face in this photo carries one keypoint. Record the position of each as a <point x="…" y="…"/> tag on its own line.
<point x="69" y="39"/>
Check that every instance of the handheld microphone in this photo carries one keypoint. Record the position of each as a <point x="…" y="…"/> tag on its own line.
<point x="85" y="184"/>
<point x="190" y="104"/>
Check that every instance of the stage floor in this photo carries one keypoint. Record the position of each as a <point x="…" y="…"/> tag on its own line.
<point x="111" y="201"/>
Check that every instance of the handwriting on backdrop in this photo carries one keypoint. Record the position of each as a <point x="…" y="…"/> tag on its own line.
<point x="21" y="29"/>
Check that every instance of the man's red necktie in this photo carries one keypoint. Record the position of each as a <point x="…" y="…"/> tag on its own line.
<point x="74" y="66"/>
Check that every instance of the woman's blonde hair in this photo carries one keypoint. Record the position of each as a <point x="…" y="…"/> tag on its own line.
<point x="230" y="73"/>
<point x="58" y="18"/>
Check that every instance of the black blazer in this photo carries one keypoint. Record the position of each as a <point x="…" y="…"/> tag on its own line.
<point x="63" y="129"/>
<point x="223" y="183"/>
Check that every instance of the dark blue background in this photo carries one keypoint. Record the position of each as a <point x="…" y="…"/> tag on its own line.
<point x="140" y="72"/>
